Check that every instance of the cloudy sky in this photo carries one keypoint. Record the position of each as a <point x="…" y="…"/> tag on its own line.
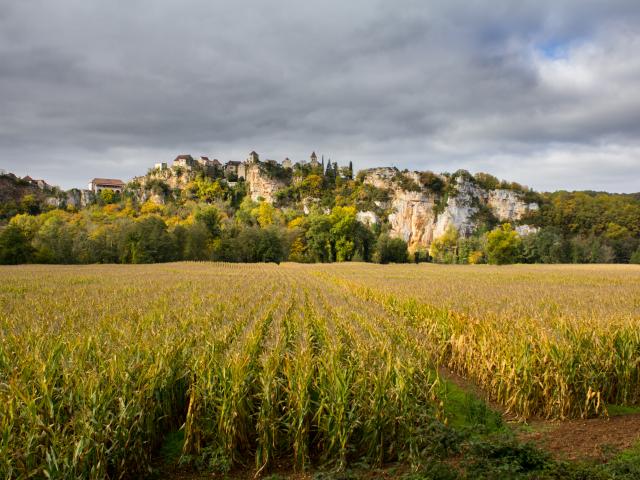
<point x="546" y="93"/>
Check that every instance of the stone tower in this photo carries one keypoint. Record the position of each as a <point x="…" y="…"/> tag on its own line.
<point x="314" y="159"/>
<point x="253" y="157"/>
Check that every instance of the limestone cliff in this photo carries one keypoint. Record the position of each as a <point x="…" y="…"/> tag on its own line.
<point x="508" y="206"/>
<point x="261" y="184"/>
<point x="174" y="178"/>
<point x="79" y="198"/>
<point x="412" y="217"/>
<point x="421" y="213"/>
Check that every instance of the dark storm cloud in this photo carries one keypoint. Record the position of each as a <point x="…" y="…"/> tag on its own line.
<point x="542" y="93"/>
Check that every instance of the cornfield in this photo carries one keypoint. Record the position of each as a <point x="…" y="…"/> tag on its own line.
<point x="308" y="363"/>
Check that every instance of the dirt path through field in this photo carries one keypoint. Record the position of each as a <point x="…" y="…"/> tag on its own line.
<point x="595" y="438"/>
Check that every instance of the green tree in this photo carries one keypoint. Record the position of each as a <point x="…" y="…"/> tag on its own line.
<point x="29" y="204"/>
<point x="504" y="245"/>
<point x="15" y="247"/>
<point x="444" y="249"/>
<point x="270" y="246"/>
<point x="312" y="186"/>
<point x="210" y="217"/>
<point x="107" y="241"/>
<point x="147" y="241"/>
<point x="487" y="181"/>
<point x="207" y="190"/>
<point x="391" y="250"/>
<point x="470" y="250"/>
<point x="54" y="241"/>
<point x="260" y="245"/>
<point x="319" y="238"/>
<point x="196" y="241"/>
<point x="343" y="231"/>
<point x="245" y="215"/>
<point x="107" y="196"/>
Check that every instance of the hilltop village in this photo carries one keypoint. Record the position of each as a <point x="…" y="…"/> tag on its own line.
<point x="264" y="179"/>
<point x="411" y="210"/>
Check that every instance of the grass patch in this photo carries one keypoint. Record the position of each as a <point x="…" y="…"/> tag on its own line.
<point x="465" y="410"/>
<point x="616" y="410"/>
<point x="171" y="449"/>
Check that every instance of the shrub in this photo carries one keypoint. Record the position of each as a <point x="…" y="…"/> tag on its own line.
<point x="431" y="181"/>
<point x="391" y="250"/>
<point x="504" y="245"/>
<point x="15" y="247"/>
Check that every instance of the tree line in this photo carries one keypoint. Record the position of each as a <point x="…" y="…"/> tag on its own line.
<point x="210" y="220"/>
<point x="149" y="233"/>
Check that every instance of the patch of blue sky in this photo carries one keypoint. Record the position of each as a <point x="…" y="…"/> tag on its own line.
<point x="555" y="49"/>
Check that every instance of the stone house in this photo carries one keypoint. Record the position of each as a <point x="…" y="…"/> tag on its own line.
<point x="98" y="184"/>
<point x="232" y="167"/>
<point x="185" y="161"/>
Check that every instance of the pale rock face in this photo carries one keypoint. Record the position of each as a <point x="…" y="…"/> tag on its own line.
<point x="260" y="185"/>
<point x="170" y="176"/>
<point x="524" y="230"/>
<point x="459" y="211"/>
<point x="414" y="217"/>
<point x="368" y="218"/>
<point x="86" y="197"/>
<point x="52" y="202"/>
<point x="150" y="196"/>
<point x="157" y="198"/>
<point x="507" y="205"/>
<point x="308" y="203"/>
<point x="75" y="198"/>
<point x="381" y="177"/>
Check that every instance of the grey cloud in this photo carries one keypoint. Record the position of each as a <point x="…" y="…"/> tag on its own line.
<point x="97" y="88"/>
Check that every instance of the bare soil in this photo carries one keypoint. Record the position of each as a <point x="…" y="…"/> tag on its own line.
<point x="595" y="438"/>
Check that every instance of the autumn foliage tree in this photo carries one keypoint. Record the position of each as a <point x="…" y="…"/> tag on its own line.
<point x="504" y="245"/>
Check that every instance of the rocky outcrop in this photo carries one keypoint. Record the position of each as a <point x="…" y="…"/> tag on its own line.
<point x="75" y="198"/>
<point x="382" y="178"/>
<point x="261" y="185"/>
<point x="413" y="217"/>
<point x="507" y="205"/>
<point x="174" y="178"/>
<point x="419" y="215"/>
<point x="368" y="218"/>
<point x="14" y="189"/>
<point x="80" y="198"/>
<point x="459" y="212"/>
<point x="524" y="230"/>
